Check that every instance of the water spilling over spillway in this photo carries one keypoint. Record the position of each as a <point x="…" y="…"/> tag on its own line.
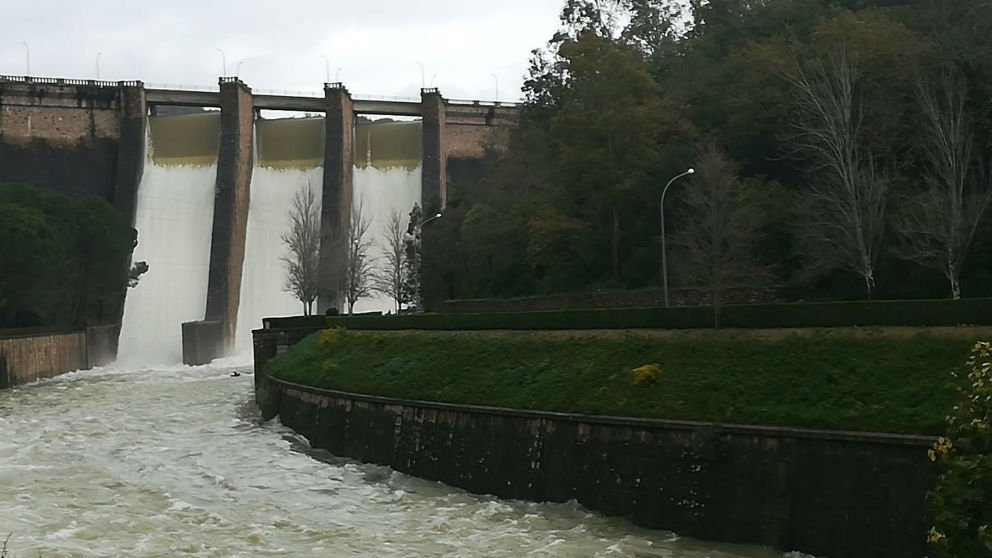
<point x="173" y="462"/>
<point x="386" y="180"/>
<point x="289" y="157"/>
<point x="174" y="219"/>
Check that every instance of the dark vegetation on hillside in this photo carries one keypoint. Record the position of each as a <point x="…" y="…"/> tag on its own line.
<point x="63" y="259"/>
<point x="616" y="105"/>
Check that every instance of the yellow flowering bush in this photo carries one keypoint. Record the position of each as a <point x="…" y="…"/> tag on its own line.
<point x="962" y="499"/>
<point x="645" y="374"/>
<point x="329" y="336"/>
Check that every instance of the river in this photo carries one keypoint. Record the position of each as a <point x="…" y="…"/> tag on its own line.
<point x="174" y="461"/>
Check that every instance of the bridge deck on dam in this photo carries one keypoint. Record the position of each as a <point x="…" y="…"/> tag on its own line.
<point x="308" y="104"/>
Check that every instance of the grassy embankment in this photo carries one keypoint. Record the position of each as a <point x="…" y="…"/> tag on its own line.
<point x="884" y="380"/>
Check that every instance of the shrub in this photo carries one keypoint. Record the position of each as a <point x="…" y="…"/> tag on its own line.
<point x="645" y="374"/>
<point x="960" y="500"/>
<point x="330" y="336"/>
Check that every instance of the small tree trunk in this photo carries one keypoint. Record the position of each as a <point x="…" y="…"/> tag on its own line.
<point x="716" y="310"/>
<point x="955" y="284"/>
<point x="616" y="244"/>
<point x="351" y="307"/>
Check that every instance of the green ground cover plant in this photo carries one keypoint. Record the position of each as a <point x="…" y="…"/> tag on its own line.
<point x="852" y="379"/>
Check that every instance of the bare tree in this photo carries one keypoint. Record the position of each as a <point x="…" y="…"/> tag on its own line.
<point x="844" y="209"/>
<point x="715" y="248"/>
<point x="359" y="265"/>
<point x="302" y="242"/>
<point x="935" y="227"/>
<point x="391" y="279"/>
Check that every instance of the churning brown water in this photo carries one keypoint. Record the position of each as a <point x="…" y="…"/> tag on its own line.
<point x="174" y="462"/>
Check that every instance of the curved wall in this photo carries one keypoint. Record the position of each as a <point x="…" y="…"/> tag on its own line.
<point x="822" y="492"/>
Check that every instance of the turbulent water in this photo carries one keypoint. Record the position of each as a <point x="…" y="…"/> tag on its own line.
<point x="174" y="219"/>
<point x="174" y="462"/>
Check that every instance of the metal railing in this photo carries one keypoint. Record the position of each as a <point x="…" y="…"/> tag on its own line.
<point x="468" y="102"/>
<point x="183" y="87"/>
<point x="68" y="81"/>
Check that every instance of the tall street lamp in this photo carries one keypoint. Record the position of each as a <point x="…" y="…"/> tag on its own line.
<point x="327" y="69"/>
<point x="27" y="56"/>
<point x="98" y="65"/>
<point x="496" y="81"/>
<point x="664" y="249"/>
<point x="425" y="221"/>
<point x="423" y="82"/>
<point x="223" y="62"/>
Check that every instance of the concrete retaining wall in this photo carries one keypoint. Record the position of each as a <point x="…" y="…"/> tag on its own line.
<point x="26" y="359"/>
<point x="821" y="492"/>
<point x="33" y="355"/>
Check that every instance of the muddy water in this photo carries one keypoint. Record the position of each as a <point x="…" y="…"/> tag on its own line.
<point x="174" y="462"/>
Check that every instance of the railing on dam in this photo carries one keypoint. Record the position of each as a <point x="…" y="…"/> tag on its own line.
<point x="68" y="81"/>
<point x="271" y="99"/>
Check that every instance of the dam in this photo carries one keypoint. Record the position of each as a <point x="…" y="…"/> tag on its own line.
<point x="207" y="178"/>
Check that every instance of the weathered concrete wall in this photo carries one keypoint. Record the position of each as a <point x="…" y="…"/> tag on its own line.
<point x="101" y="344"/>
<point x="61" y="134"/>
<point x="29" y="358"/>
<point x="227" y="244"/>
<point x="472" y="131"/>
<point x="433" y="195"/>
<point x="821" y="492"/>
<point x="336" y="201"/>
<point x="202" y="342"/>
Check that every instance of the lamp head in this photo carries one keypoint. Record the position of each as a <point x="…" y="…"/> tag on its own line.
<point x="437" y="216"/>
<point x="690" y="171"/>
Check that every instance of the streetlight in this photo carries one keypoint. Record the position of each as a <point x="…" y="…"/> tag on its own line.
<point x="664" y="251"/>
<point x="496" y="80"/>
<point x="433" y="77"/>
<point x="223" y="62"/>
<point x="237" y="69"/>
<point x="438" y="216"/>
<point x="327" y="69"/>
<point x="98" y="65"/>
<point x="27" y="56"/>
<point x="422" y="80"/>
<point x="337" y="75"/>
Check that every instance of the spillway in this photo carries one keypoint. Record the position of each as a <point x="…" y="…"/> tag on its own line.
<point x="387" y="179"/>
<point x="174" y="219"/>
<point x="289" y="156"/>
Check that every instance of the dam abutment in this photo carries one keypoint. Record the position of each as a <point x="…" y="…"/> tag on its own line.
<point x="337" y="189"/>
<point x="227" y="245"/>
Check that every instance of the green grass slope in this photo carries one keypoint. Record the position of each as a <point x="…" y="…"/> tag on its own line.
<point x="852" y="379"/>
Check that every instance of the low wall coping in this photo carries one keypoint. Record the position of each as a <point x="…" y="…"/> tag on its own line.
<point x="647" y="423"/>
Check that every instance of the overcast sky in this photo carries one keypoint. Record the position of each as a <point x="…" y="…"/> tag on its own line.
<point x="278" y="44"/>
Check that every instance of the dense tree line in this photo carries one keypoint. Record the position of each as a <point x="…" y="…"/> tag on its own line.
<point x="63" y="259"/>
<point x="853" y="137"/>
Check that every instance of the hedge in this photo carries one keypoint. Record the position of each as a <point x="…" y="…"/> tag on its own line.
<point x="921" y="313"/>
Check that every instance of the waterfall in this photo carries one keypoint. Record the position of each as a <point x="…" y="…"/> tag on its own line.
<point x="289" y="156"/>
<point x="386" y="179"/>
<point x="174" y="219"/>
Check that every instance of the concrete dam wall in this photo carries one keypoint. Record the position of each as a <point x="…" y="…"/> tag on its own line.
<point x="104" y="138"/>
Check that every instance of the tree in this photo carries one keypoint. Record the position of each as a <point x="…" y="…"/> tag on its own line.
<point x="936" y="226"/>
<point x="413" y="259"/>
<point x="391" y="279"/>
<point x="302" y="242"/>
<point x="716" y="242"/>
<point x="134" y="274"/>
<point x="29" y="277"/>
<point x="359" y="265"/>
<point x="844" y="209"/>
